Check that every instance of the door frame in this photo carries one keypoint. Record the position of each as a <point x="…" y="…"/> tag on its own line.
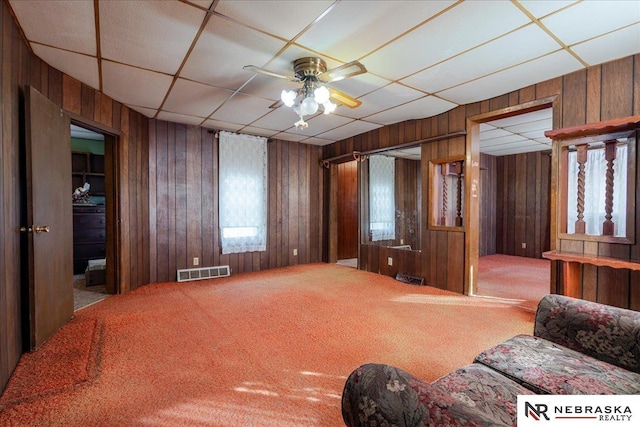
<point x="472" y="178"/>
<point x="112" y="198"/>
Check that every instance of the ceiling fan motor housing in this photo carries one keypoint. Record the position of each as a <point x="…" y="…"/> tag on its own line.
<point x="309" y="67"/>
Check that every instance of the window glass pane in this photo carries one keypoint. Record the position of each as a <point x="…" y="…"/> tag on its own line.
<point x="382" y="202"/>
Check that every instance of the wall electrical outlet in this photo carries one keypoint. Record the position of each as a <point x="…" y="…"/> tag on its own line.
<point x="295" y="252"/>
<point x="390" y="261"/>
<point x="524" y="245"/>
<point x="196" y="261"/>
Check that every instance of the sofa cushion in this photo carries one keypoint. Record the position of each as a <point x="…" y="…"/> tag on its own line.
<point x="549" y="368"/>
<point x="383" y="395"/>
<point x="485" y="389"/>
<point x="607" y="333"/>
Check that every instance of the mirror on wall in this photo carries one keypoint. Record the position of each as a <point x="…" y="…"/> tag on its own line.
<point x="391" y="188"/>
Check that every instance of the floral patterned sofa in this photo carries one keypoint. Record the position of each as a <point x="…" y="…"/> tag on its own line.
<point x="577" y="347"/>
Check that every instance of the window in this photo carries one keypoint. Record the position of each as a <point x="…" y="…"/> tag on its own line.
<point x="242" y="193"/>
<point x="595" y="170"/>
<point x="382" y="202"/>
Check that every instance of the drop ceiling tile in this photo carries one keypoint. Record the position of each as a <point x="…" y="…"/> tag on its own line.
<point x="241" y="108"/>
<point x="418" y="109"/>
<point x="319" y="124"/>
<point x="134" y="86"/>
<point x="360" y="85"/>
<point x="78" y="66"/>
<point x="588" y="19"/>
<point x="285" y="136"/>
<point x="530" y="126"/>
<point x="195" y="99"/>
<point x="135" y="32"/>
<point x="382" y="99"/>
<point x="252" y="130"/>
<point x="317" y="141"/>
<point x="211" y="63"/>
<point x="492" y="133"/>
<point x="218" y="125"/>
<point x="179" y="118"/>
<point x="277" y="119"/>
<point x="497" y="55"/>
<point x="351" y="31"/>
<point x="538" y="134"/>
<point x="281" y="18"/>
<point x="450" y="34"/>
<point x="73" y="21"/>
<point x="267" y="87"/>
<point x="355" y="127"/>
<point x="540" y="9"/>
<point x="523" y="75"/>
<point x="147" y="112"/>
<point x="621" y="43"/>
<point x="507" y="139"/>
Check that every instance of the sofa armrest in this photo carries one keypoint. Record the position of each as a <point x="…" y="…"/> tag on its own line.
<point x="383" y="395"/>
<point x="610" y="334"/>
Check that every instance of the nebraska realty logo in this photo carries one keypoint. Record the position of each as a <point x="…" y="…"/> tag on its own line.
<point x="578" y="410"/>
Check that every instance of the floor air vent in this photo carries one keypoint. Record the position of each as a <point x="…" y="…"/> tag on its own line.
<point x="188" y="274"/>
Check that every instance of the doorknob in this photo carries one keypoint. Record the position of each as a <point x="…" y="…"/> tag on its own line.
<point x="40" y="229"/>
<point x="25" y="229"/>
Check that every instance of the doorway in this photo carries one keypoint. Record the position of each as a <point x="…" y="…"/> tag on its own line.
<point x="513" y="203"/>
<point x="94" y="212"/>
<point x="89" y="216"/>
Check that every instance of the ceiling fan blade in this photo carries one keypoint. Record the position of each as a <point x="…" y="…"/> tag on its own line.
<point x="347" y="70"/>
<point x="344" y="99"/>
<point x="269" y="73"/>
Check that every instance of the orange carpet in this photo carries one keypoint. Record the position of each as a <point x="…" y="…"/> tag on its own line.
<point x="523" y="280"/>
<point x="270" y="348"/>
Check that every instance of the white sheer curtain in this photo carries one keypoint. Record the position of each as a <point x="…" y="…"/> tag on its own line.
<point x="242" y="193"/>
<point x="594" y="194"/>
<point x="382" y="201"/>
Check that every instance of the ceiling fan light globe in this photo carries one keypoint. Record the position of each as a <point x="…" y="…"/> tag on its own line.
<point x="288" y="97"/>
<point x="329" y="107"/>
<point x="321" y="94"/>
<point x="308" y="106"/>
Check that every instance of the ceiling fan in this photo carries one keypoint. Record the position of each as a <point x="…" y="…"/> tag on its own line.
<point x="313" y="74"/>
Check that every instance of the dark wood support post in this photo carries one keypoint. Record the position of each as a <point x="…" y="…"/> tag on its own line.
<point x="581" y="157"/>
<point x="444" y="169"/>
<point x="608" y="226"/>
<point x="459" y="195"/>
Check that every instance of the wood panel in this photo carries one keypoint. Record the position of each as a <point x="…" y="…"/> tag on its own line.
<point x="186" y="209"/>
<point x="523" y="214"/>
<point x="348" y="210"/>
<point x="489" y="215"/>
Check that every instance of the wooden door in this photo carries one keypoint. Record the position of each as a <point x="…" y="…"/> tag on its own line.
<point x="348" y="210"/>
<point x="49" y="223"/>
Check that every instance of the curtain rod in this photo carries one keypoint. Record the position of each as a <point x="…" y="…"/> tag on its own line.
<point x="358" y="154"/>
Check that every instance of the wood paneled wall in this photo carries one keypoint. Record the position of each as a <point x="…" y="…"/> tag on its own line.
<point x="19" y="68"/>
<point x="598" y="93"/>
<point x="348" y="210"/>
<point x="601" y="93"/>
<point x="522" y="208"/>
<point x="183" y="199"/>
<point x="488" y="205"/>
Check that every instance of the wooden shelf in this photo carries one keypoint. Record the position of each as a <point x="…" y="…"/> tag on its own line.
<point x="599" y="261"/>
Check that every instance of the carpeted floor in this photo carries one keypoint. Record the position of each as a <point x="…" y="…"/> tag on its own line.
<point x="260" y="349"/>
<point x="84" y="295"/>
<point x="523" y="280"/>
